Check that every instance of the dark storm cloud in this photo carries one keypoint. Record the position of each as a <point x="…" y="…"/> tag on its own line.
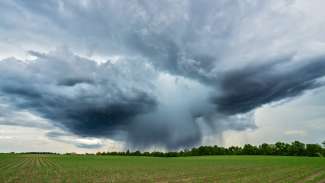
<point x="250" y="87"/>
<point x="99" y="101"/>
<point x="88" y="120"/>
<point x="74" y="81"/>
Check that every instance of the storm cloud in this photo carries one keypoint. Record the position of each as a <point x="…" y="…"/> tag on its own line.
<point x="156" y="73"/>
<point x="250" y="87"/>
<point x="78" y="94"/>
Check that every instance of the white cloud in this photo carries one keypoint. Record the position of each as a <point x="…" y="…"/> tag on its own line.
<point x="5" y="137"/>
<point x="295" y="132"/>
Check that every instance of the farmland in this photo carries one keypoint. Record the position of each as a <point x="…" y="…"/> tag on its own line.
<point x="90" y="168"/>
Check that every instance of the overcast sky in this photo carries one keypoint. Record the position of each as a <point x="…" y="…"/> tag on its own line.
<point x="96" y="75"/>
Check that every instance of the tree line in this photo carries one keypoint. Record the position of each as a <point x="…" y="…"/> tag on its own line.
<point x="295" y="148"/>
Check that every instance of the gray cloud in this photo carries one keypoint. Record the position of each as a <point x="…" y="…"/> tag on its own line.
<point x="78" y="142"/>
<point x="100" y="100"/>
<point x="13" y="116"/>
<point x="250" y="87"/>
<point x="88" y="146"/>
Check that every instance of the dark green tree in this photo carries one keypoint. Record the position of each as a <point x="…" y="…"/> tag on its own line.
<point x="313" y="150"/>
<point x="250" y="150"/>
<point x="297" y="148"/>
<point x="281" y="149"/>
<point x="234" y="150"/>
<point x="266" y="149"/>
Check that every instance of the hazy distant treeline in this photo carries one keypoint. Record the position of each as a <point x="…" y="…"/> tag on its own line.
<point x="296" y="148"/>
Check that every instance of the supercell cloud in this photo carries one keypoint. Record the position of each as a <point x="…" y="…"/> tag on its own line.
<point x="155" y="73"/>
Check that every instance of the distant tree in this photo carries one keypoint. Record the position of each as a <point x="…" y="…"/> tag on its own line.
<point x="194" y="152"/>
<point x="313" y="150"/>
<point x="323" y="143"/>
<point x="250" y="150"/>
<point x="234" y="150"/>
<point x="282" y="148"/>
<point x="297" y="148"/>
<point x="266" y="149"/>
<point x="203" y="150"/>
<point x="219" y="150"/>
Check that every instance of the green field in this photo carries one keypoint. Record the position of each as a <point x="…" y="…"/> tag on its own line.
<point x="64" y="168"/>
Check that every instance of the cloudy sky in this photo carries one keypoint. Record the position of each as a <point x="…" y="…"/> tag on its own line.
<point x="94" y="75"/>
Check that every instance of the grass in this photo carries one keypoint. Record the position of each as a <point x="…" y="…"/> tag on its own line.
<point x="56" y="168"/>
